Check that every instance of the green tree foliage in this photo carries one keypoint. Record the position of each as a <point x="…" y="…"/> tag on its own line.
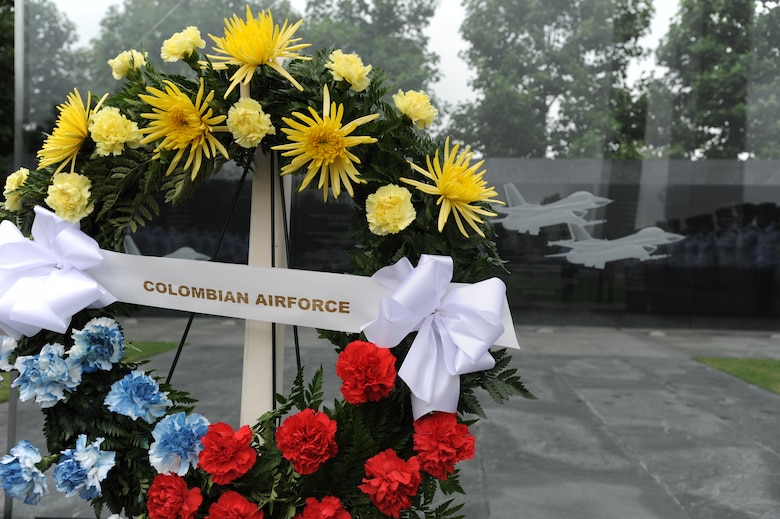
<point x="551" y="77"/>
<point x="763" y="117"/>
<point x="386" y="33"/>
<point x="708" y="55"/>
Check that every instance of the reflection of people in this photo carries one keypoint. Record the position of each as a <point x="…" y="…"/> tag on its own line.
<point x="767" y="256"/>
<point x="676" y="249"/>
<point x="700" y="246"/>
<point x="726" y="237"/>
<point x="568" y="280"/>
<point x="707" y="251"/>
<point x="747" y="234"/>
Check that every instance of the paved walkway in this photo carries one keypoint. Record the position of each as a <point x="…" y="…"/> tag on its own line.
<point x="626" y="425"/>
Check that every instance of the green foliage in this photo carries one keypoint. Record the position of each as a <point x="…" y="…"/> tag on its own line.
<point x="301" y="396"/>
<point x="762" y="128"/>
<point x="501" y="383"/>
<point x="719" y="93"/>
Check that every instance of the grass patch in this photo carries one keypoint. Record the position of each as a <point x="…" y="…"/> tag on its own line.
<point x="139" y="350"/>
<point x="763" y="373"/>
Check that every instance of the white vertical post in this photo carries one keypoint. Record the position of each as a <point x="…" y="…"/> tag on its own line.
<point x="267" y="247"/>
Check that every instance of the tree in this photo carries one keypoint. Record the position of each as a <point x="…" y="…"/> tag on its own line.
<point x="708" y="55"/>
<point x="551" y="77"/>
<point x="385" y="33"/>
<point x="762" y="132"/>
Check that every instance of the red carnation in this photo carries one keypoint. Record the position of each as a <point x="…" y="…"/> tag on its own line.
<point x="232" y="505"/>
<point x="391" y="482"/>
<point x="226" y="454"/>
<point x="368" y="372"/>
<point x="441" y="442"/>
<point x="307" y="440"/>
<point x="169" y="498"/>
<point x="329" y="508"/>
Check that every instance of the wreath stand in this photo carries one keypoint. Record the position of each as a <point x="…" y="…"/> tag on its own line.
<point x="263" y="363"/>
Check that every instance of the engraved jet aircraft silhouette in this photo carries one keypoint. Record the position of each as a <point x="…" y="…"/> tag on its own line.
<point x="522" y="216"/>
<point x="593" y="252"/>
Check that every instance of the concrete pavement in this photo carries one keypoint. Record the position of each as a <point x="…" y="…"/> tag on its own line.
<point x="625" y="425"/>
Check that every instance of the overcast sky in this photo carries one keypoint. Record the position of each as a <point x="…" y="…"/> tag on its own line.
<point x="443" y="32"/>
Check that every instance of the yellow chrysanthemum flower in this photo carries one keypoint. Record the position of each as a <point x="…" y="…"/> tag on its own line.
<point x="182" y="124"/>
<point x="256" y="42"/>
<point x="70" y="132"/>
<point x="458" y="185"/>
<point x="13" y="199"/>
<point x="323" y="143"/>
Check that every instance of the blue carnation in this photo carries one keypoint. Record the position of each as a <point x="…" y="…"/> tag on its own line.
<point x="81" y="470"/>
<point x="47" y="375"/>
<point x="20" y="477"/>
<point x="98" y="346"/>
<point x="177" y="443"/>
<point x="138" y="396"/>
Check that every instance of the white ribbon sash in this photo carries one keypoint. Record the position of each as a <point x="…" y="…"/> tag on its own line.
<point x="42" y="281"/>
<point x="67" y="272"/>
<point x="456" y="326"/>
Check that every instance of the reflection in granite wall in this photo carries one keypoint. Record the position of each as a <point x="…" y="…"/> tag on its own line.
<point x="727" y="266"/>
<point x="317" y="234"/>
<point x="192" y="228"/>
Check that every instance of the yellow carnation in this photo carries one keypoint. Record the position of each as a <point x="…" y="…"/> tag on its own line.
<point x="349" y="67"/>
<point x="127" y="61"/>
<point x="389" y="210"/>
<point x="111" y="131"/>
<point x="416" y="106"/>
<point x="13" y="200"/>
<point x="182" y="44"/>
<point x="69" y="196"/>
<point x="248" y="123"/>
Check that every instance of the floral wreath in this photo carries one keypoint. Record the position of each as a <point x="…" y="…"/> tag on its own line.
<point x="121" y="438"/>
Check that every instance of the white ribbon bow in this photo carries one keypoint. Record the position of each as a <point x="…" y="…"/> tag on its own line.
<point x="456" y="328"/>
<point x="42" y="283"/>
